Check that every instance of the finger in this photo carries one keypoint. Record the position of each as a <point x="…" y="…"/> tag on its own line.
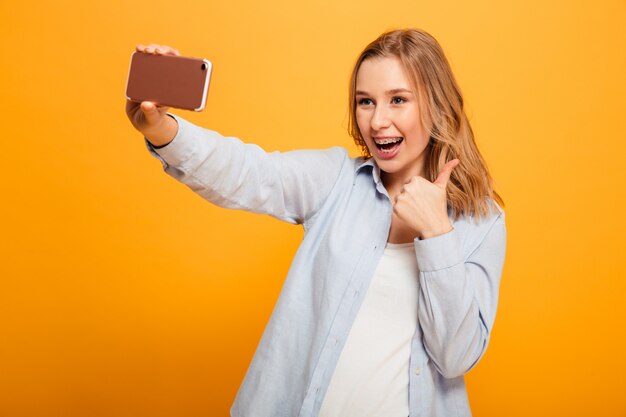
<point x="412" y="184"/>
<point x="160" y="109"/>
<point x="168" y="50"/>
<point x="150" y="111"/>
<point x="157" y="49"/>
<point x="152" y="48"/>
<point x="446" y="171"/>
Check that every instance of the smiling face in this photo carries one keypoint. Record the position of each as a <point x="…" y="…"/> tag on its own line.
<point x="388" y="117"/>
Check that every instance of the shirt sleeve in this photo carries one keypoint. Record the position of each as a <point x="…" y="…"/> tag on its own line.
<point x="290" y="186"/>
<point x="459" y="296"/>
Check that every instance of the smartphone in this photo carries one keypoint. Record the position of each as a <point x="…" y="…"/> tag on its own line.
<point x="173" y="81"/>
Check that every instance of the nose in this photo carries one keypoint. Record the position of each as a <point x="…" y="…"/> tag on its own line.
<point x="380" y="118"/>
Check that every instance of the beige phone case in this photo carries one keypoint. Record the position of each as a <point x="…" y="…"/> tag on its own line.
<point x="167" y="80"/>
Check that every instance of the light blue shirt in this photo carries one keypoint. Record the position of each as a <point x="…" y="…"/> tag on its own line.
<point x="346" y="214"/>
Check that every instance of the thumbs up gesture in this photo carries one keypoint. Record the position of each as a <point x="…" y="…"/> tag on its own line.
<point x="422" y="205"/>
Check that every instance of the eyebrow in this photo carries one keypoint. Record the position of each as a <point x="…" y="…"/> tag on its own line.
<point x="394" y="91"/>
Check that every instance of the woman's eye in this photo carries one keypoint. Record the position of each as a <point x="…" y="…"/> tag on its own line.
<point x="365" y="101"/>
<point x="398" y="100"/>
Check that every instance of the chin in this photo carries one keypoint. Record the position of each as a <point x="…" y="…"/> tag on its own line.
<point x="389" y="167"/>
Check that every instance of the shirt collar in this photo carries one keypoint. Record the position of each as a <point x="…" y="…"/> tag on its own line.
<point x="375" y="169"/>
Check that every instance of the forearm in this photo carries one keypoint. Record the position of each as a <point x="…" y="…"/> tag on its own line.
<point x="459" y="294"/>
<point x="454" y="335"/>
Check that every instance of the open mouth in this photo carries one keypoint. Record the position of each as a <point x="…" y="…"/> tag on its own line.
<point x="388" y="145"/>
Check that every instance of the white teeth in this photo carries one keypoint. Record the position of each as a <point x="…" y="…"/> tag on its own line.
<point x="385" y="141"/>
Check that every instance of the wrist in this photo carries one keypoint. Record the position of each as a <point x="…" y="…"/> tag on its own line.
<point x="439" y="230"/>
<point x="164" y="133"/>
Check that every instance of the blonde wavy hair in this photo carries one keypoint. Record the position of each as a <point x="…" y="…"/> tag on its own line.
<point x="470" y="189"/>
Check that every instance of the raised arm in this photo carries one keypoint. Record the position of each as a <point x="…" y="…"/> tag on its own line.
<point x="290" y="186"/>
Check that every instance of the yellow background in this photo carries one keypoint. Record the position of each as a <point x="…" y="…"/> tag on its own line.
<point x="124" y="294"/>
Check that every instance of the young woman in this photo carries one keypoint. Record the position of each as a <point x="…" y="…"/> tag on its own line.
<point x="392" y="295"/>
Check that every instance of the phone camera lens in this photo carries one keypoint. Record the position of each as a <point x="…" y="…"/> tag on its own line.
<point x="203" y="66"/>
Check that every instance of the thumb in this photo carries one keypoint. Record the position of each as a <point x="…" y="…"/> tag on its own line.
<point x="151" y="112"/>
<point x="446" y="171"/>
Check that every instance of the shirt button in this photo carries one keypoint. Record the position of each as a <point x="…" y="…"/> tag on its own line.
<point x="418" y="371"/>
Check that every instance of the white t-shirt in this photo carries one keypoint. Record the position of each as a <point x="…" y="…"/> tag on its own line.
<point x="372" y="376"/>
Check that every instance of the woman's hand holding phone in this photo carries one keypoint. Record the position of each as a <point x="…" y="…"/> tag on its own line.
<point x="147" y="117"/>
